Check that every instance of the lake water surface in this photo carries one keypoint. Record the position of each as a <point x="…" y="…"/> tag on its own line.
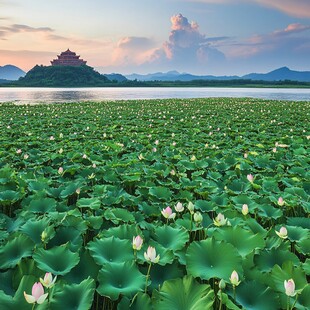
<point x="58" y="95"/>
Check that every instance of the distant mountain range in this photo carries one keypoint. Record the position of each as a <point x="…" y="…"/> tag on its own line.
<point x="280" y="74"/>
<point x="11" y="73"/>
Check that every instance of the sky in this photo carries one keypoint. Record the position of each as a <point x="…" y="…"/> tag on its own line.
<point x="218" y="37"/>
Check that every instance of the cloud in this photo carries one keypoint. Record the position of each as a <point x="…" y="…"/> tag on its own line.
<point x="17" y="28"/>
<point x="133" y="50"/>
<point x="290" y="45"/>
<point x="297" y="8"/>
<point x="187" y="49"/>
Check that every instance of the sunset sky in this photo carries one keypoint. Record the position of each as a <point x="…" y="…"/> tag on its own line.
<point x="221" y="37"/>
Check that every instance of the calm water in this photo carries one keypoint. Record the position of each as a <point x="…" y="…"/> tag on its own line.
<point x="49" y="95"/>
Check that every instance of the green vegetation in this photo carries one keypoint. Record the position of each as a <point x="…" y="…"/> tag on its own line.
<point x="219" y="188"/>
<point x="62" y="76"/>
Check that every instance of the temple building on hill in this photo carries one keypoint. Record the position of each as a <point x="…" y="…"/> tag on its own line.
<point x="68" y="58"/>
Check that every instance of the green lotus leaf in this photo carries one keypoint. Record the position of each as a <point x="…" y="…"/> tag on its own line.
<point x="120" y="279"/>
<point x="288" y="271"/>
<point x="58" y="260"/>
<point x="43" y="205"/>
<point x="269" y="211"/>
<point x="140" y="301"/>
<point x="122" y="232"/>
<point x="204" y="205"/>
<point x="6" y="284"/>
<point x="159" y="274"/>
<point x="34" y="228"/>
<point x="256" y="296"/>
<point x="74" y="296"/>
<point x="297" y="233"/>
<point x="267" y="259"/>
<point x="91" y="203"/>
<point x="84" y="269"/>
<point x="243" y="240"/>
<point x="171" y="238"/>
<point x="14" y="250"/>
<point x="117" y="214"/>
<point x="303" y="301"/>
<point x="111" y="251"/>
<point x="303" y="222"/>
<point x="94" y="222"/>
<point x="220" y="200"/>
<point x="9" y="196"/>
<point x="67" y="235"/>
<point x="39" y="186"/>
<point x="161" y="193"/>
<point x="306" y="266"/>
<point x="6" y="301"/>
<point x="69" y="190"/>
<point x="238" y="186"/>
<point x="212" y="259"/>
<point x="183" y="294"/>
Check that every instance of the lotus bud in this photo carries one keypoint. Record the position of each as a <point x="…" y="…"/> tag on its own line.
<point x="282" y="233"/>
<point x="150" y="255"/>
<point x="61" y="135"/>
<point x="156" y="142"/>
<point x="179" y="207"/>
<point x="245" y="155"/>
<point x="281" y="201"/>
<point x="48" y="280"/>
<point x="84" y="156"/>
<point x="245" y="209"/>
<point x="234" y="278"/>
<point x="60" y="170"/>
<point x="137" y="243"/>
<point x="193" y="158"/>
<point x="250" y="178"/>
<point x="222" y="284"/>
<point x="168" y="214"/>
<point x="78" y="191"/>
<point x="52" y="138"/>
<point x="37" y="296"/>
<point x="26" y="156"/>
<point x="198" y="217"/>
<point x="289" y="287"/>
<point x="220" y="220"/>
<point x="60" y="151"/>
<point x="18" y="151"/>
<point x="191" y="207"/>
<point x="43" y="236"/>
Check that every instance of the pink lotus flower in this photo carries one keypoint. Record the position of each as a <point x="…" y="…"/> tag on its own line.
<point x="18" y="151"/>
<point x="48" y="280"/>
<point x="250" y="178"/>
<point x="52" y="138"/>
<point x="137" y="243"/>
<point x="289" y="287"/>
<point x="167" y="213"/>
<point x="84" y="156"/>
<point x="281" y="201"/>
<point x="234" y="278"/>
<point x="37" y="296"/>
<point x="245" y="209"/>
<point x="150" y="255"/>
<point x="282" y="233"/>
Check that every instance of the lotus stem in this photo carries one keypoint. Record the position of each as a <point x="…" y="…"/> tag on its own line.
<point x="288" y="303"/>
<point x="33" y="306"/>
<point x="147" y="277"/>
<point x="234" y="290"/>
<point x="221" y="300"/>
<point x="294" y="302"/>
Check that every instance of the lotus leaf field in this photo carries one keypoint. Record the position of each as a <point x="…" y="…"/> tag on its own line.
<point x="155" y="204"/>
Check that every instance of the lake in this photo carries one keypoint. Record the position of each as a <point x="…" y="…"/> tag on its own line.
<point x="58" y="95"/>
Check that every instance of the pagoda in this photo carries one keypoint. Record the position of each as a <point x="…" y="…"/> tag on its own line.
<point x="68" y="58"/>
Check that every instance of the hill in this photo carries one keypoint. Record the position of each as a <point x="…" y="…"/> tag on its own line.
<point x="116" y="77"/>
<point x="63" y="76"/>
<point x="280" y="74"/>
<point x="10" y="72"/>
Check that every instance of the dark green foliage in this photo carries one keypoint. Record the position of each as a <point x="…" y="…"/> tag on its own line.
<point x="62" y="76"/>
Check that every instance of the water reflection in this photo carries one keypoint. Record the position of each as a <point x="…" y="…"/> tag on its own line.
<point x="49" y="95"/>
